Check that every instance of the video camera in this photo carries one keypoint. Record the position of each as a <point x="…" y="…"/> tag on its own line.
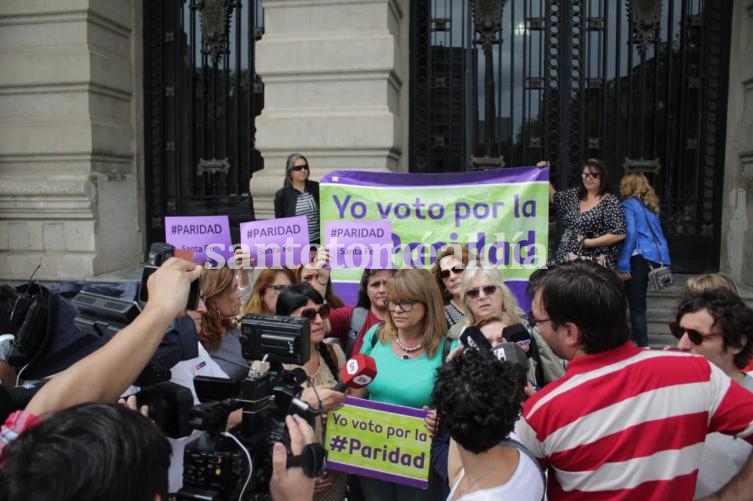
<point x="238" y="464"/>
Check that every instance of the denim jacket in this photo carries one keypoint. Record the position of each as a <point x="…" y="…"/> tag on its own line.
<point x="639" y="240"/>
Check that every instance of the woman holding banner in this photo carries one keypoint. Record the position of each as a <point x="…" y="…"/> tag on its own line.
<point x="322" y="369"/>
<point x="408" y="349"/>
<point x="590" y="217"/>
<point x="299" y="196"/>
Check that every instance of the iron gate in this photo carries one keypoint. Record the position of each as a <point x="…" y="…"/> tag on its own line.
<point x="201" y="96"/>
<point x="639" y="83"/>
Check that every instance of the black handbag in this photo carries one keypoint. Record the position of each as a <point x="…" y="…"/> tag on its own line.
<point x="659" y="277"/>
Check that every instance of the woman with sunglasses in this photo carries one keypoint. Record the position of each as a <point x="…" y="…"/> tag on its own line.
<point x="448" y="271"/>
<point x="219" y="333"/>
<point x="407" y="349"/>
<point x="486" y="296"/>
<point x="644" y="248"/>
<point x="268" y="285"/>
<point x="322" y="369"/>
<point x="590" y="217"/>
<point x="299" y="196"/>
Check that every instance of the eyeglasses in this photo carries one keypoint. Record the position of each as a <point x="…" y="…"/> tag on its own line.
<point x="476" y="291"/>
<point x="533" y="321"/>
<point x="278" y="288"/>
<point x="445" y="274"/>
<point x="590" y="175"/>
<point x="300" y="167"/>
<point x="694" y="336"/>
<point x="311" y="313"/>
<point x="405" y="305"/>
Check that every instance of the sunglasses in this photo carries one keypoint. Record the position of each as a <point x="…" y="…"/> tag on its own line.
<point x="590" y="175"/>
<point x="694" y="336"/>
<point x="300" y="167"/>
<point x="446" y="273"/>
<point x="406" y="306"/>
<point x="476" y="291"/>
<point x="311" y="313"/>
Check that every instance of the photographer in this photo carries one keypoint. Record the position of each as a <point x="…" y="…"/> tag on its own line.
<point x="61" y="448"/>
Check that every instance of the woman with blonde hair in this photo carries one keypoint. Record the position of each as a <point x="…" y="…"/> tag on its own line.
<point x="643" y="249"/>
<point x="219" y="334"/>
<point x="407" y="349"/>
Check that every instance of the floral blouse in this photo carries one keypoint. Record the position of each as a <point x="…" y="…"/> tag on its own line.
<point x="604" y="218"/>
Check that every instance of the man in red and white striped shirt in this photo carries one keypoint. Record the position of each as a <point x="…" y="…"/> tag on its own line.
<point x="623" y="423"/>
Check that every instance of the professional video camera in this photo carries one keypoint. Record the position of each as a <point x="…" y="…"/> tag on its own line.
<point x="238" y="464"/>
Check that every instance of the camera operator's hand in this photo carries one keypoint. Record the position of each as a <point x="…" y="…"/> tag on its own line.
<point x="169" y="285"/>
<point x="330" y="399"/>
<point x="291" y="484"/>
<point x="105" y="374"/>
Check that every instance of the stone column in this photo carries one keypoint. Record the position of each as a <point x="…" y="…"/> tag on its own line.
<point x="335" y="75"/>
<point x="737" y="214"/>
<point x="68" y="168"/>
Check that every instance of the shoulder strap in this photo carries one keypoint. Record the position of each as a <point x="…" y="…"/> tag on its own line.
<point x="524" y="450"/>
<point x="358" y="318"/>
<point x="446" y="349"/>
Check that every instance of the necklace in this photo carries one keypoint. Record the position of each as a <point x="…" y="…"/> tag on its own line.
<point x="480" y="478"/>
<point x="407" y="351"/>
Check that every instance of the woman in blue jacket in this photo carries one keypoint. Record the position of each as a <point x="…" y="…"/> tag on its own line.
<point x="644" y="247"/>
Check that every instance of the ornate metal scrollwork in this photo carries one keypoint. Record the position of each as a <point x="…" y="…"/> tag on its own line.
<point x="215" y="26"/>
<point x="645" y="15"/>
<point x="213" y="166"/>
<point x="487" y="18"/>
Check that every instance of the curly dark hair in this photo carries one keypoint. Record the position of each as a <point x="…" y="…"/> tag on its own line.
<point x="478" y="399"/>
<point x="731" y="316"/>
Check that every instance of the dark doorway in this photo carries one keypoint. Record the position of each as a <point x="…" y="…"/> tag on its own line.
<point x="201" y="97"/>
<point x="639" y="84"/>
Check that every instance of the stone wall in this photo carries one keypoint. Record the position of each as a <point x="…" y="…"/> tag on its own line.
<point x="336" y="86"/>
<point x="737" y="214"/>
<point x="68" y="163"/>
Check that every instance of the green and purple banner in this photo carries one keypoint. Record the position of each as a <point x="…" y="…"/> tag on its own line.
<point x="378" y="440"/>
<point x="503" y="214"/>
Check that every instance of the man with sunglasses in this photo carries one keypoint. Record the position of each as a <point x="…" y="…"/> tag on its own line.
<point x="718" y="325"/>
<point x="623" y="422"/>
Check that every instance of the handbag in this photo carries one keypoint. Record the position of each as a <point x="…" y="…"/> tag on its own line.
<point x="600" y="259"/>
<point x="659" y="277"/>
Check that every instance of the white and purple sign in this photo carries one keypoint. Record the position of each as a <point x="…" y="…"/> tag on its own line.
<point x="363" y="244"/>
<point x="277" y="242"/>
<point x="196" y="233"/>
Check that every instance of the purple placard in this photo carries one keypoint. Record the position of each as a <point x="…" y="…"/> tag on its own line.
<point x="380" y="475"/>
<point x="195" y="233"/>
<point x="492" y="176"/>
<point x="365" y="244"/>
<point x="277" y="242"/>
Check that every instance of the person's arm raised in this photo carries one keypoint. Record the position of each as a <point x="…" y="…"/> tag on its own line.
<point x="106" y="373"/>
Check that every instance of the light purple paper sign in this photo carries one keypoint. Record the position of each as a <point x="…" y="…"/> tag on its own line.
<point x="195" y="233"/>
<point x="364" y="244"/>
<point x="277" y="242"/>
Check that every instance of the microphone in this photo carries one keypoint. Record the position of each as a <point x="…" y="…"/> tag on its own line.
<point x="473" y="338"/>
<point x="510" y="352"/>
<point x="519" y="335"/>
<point x="357" y="372"/>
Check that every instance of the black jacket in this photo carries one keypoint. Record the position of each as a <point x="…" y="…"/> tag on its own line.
<point x="286" y="199"/>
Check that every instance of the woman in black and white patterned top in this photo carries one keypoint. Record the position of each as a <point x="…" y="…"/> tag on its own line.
<point x="299" y="196"/>
<point x="590" y="216"/>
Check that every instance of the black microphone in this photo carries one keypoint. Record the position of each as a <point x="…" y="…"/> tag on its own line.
<point x="518" y="334"/>
<point x="510" y="352"/>
<point x="473" y="338"/>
